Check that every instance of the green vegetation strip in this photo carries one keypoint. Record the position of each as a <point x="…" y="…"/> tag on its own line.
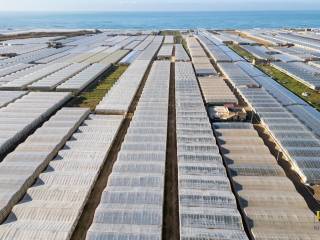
<point x="288" y="82"/>
<point x="91" y="97"/>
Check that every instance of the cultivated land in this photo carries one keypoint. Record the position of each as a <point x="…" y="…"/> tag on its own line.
<point x="116" y="135"/>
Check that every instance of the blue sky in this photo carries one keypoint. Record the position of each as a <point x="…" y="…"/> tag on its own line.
<point x="156" y="5"/>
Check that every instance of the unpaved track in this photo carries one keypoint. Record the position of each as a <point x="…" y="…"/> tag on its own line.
<point x="170" y="230"/>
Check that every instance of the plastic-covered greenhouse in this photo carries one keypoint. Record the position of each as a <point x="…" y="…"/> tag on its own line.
<point x="132" y="203"/>
<point x="207" y="206"/>
<point x="266" y="195"/>
<point x="53" y="205"/>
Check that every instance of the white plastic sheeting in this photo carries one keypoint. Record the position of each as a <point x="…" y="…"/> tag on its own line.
<point x="266" y="195"/>
<point x="115" y="57"/>
<point x="225" y="36"/>
<point x="24" y="81"/>
<point x="145" y="43"/>
<point x="304" y="73"/>
<point x="297" y="142"/>
<point x="130" y="57"/>
<point x="165" y="51"/>
<point x="180" y="53"/>
<point x="22" y="166"/>
<point x="169" y="39"/>
<point x="207" y="206"/>
<point x="115" y="101"/>
<point x="216" y="91"/>
<point x="8" y="78"/>
<point x="132" y="203"/>
<point x="236" y="75"/>
<point x="7" y="97"/>
<point x="19" y="118"/>
<point x="217" y="50"/>
<point x="80" y="81"/>
<point x="150" y="51"/>
<point x="13" y="69"/>
<point x="31" y="56"/>
<point x="52" y="81"/>
<point x="201" y="62"/>
<point x="60" y="193"/>
<point x="290" y="101"/>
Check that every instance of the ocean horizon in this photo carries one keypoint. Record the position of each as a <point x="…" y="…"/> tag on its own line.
<point x="159" y="20"/>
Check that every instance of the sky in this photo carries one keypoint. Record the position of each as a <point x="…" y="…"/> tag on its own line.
<point x="157" y="5"/>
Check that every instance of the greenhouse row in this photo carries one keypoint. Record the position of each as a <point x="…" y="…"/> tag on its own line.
<point x="132" y="45"/>
<point x="271" y="54"/>
<point x="13" y="69"/>
<point x="301" y="45"/>
<point x="181" y="54"/>
<point x="115" y="101"/>
<point x="300" y="41"/>
<point x="31" y="57"/>
<point x="22" y="166"/>
<point x="130" y="57"/>
<point x="261" y="52"/>
<point x="207" y="206"/>
<point x="274" y="114"/>
<point x="236" y="75"/>
<point x="145" y="43"/>
<point x="132" y="203"/>
<point x="289" y="100"/>
<point x="114" y="58"/>
<point x="80" y="81"/>
<point x="52" y="81"/>
<point x="266" y="195"/>
<point x="129" y="81"/>
<point x="53" y="205"/>
<point x="301" y="53"/>
<point x="217" y="50"/>
<point x="304" y="73"/>
<point x="57" y="57"/>
<point x="21" y="117"/>
<point x="85" y="53"/>
<point x="7" y="97"/>
<point x="50" y="77"/>
<point x="20" y="48"/>
<point x="151" y="50"/>
<point x="9" y="78"/>
<point x="227" y="37"/>
<point x="298" y="143"/>
<point x="169" y="39"/>
<point x="25" y="80"/>
<point x="201" y="62"/>
<point x="215" y="91"/>
<point x="21" y="74"/>
<point x="165" y="52"/>
<point x="98" y="57"/>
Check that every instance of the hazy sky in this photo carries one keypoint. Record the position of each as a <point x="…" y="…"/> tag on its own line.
<point x="156" y="5"/>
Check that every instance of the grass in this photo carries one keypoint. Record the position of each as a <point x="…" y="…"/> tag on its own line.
<point x="286" y="81"/>
<point x="293" y="85"/>
<point x="243" y="53"/>
<point x="91" y="96"/>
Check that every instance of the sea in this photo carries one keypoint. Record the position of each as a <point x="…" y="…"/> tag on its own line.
<point x="159" y="20"/>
